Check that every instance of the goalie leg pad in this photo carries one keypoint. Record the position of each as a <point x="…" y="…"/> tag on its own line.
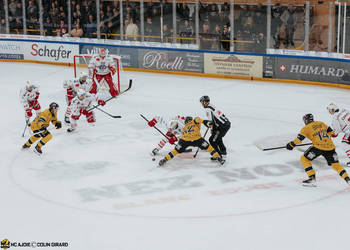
<point x="112" y="89"/>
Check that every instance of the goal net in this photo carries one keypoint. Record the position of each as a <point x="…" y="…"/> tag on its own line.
<point x="120" y="79"/>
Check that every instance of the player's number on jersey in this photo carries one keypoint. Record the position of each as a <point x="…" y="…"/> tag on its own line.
<point x="189" y="129"/>
<point x="322" y="134"/>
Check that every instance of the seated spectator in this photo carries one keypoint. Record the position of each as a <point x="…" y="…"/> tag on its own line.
<point x="131" y="31"/>
<point x="61" y="26"/>
<point x="91" y="27"/>
<point x="260" y="43"/>
<point x="103" y="30"/>
<point x="18" y="24"/>
<point x="32" y="13"/>
<point x="32" y="26"/>
<point x="48" y="27"/>
<point x="109" y="30"/>
<point x="77" y="31"/>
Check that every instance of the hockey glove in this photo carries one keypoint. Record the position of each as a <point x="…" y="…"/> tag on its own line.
<point x="208" y="123"/>
<point x="172" y="140"/>
<point x="84" y="112"/>
<point x="101" y="102"/>
<point x="29" y="113"/>
<point x="152" y="122"/>
<point x="169" y="134"/>
<point x="58" y="125"/>
<point x="290" y="145"/>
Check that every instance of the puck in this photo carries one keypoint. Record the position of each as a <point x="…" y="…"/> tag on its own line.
<point x="153" y="159"/>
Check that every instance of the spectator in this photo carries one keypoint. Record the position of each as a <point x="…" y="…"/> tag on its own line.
<point x="2" y="26"/>
<point x="186" y="31"/>
<point x="64" y="32"/>
<point x="260" y="43"/>
<point x="148" y="29"/>
<point x="32" y="26"/>
<point x="12" y="7"/>
<point x="62" y="25"/>
<point x="78" y="11"/>
<point x="259" y="19"/>
<point x="31" y="5"/>
<point x="103" y="30"/>
<point x="103" y="17"/>
<point x="131" y="31"/>
<point x="18" y="24"/>
<point x="77" y="31"/>
<point x="109" y="30"/>
<point x="205" y="37"/>
<point x="289" y="19"/>
<point x="32" y="13"/>
<point x="156" y="21"/>
<point x="91" y="26"/>
<point x="11" y="23"/>
<point x="167" y="34"/>
<point x="184" y="12"/>
<point x="48" y="27"/>
<point x="225" y="38"/>
<point x="276" y="23"/>
<point x="19" y="10"/>
<point x="213" y="15"/>
<point x="53" y="13"/>
<point x="109" y="12"/>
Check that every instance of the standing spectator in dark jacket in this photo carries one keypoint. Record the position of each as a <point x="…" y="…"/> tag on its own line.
<point x="186" y="31"/>
<point x="148" y="29"/>
<point x="91" y="27"/>
<point x="290" y="21"/>
<point x="225" y="38"/>
<point x="48" y="27"/>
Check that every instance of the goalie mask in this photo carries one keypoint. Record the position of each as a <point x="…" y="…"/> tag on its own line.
<point x="308" y="118"/>
<point x="332" y="108"/>
<point x="188" y="119"/>
<point x="102" y="52"/>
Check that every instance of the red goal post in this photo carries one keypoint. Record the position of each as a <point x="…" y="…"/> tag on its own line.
<point x="81" y="63"/>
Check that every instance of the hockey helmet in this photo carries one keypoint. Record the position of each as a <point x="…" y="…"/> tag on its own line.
<point x="188" y="119"/>
<point x="53" y="106"/>
<point x="83" y="76"/>
<point x="30" y="86"/>
<point x="204" y="98"/>
<point x="332" y="108"/>
<point x="173" y="124"/>
<point x="81" y="93"/>
<point x="308" y="118"/>
<point x="102" y="52"/>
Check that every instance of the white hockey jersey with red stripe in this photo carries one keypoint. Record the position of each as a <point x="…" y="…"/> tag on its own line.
<point x="78" y="105"/>
<point x="102" y="66"/>
<point x="26" y="97"/>
<point x="74" y="85"/>
<point x="341" y="121"/>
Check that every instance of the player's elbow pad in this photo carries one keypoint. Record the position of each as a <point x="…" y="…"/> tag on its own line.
<point x="207" y="123"/>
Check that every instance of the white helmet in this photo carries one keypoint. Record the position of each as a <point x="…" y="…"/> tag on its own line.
<point x="332" y="108"/>
<point x="83" y="75"/>
<point x="102" y="52"/>
<point x="80" y="93"/>
<point x="173" y="124"/>
<point x="29" y="85"/>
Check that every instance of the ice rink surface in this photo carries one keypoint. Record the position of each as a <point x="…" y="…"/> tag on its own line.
<point x="98" y="188"/>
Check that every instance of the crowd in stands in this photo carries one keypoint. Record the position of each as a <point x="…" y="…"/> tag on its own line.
<point x="214" y="22"/>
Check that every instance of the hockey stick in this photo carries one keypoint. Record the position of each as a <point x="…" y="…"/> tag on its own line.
<point x="129" y="87"/>
<point x="113" y="116"/>
<point x="25" y="128"/>
<point x="266" y="149"/>
<point x="198" y="147"/>
<point x="155" y="127"/>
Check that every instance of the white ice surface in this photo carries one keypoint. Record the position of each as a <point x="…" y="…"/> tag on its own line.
<point x="97" y="188"/>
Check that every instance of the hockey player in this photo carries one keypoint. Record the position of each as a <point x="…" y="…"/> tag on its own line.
<point x="191" y="136"/>
<point x="29" y="96"/>
<point x="101" y="69"/>
<point x="80" y="105"/>
<point x="39" y="127"/>
<point x="174" y="129"/>
<point x="341" y="124"/>
<point x="72" y="87"/>
<point x="220" y="125"/>
<point x="320" y="135"/>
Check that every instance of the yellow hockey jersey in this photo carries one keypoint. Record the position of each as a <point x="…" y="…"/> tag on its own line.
<point x="43" y="120"/>
<point x="192" y="130"/>
<point x="319" y="133"/>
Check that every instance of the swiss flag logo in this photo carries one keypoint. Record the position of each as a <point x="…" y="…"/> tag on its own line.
<point x="219" y="112"/>
<point x="283" y="68"/>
